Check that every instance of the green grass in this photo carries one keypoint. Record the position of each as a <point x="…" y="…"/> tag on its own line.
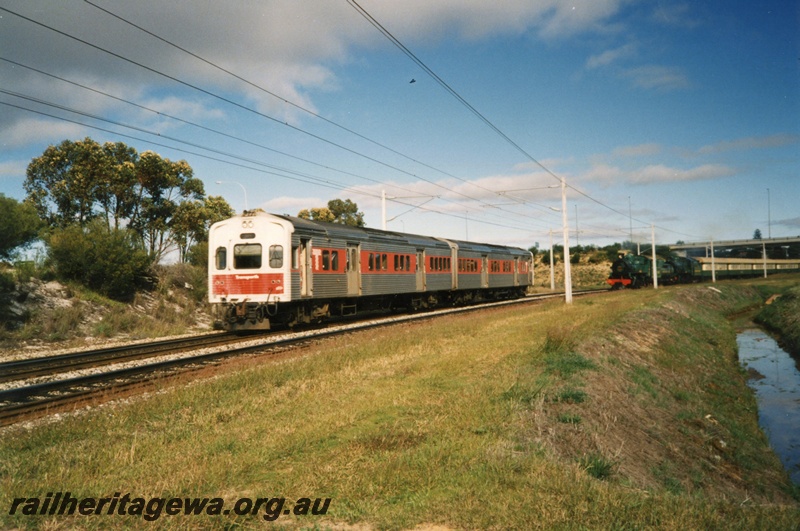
<point x="597" y="466"/>
<point x="462" y="422"/>
<point x="569" y="418"/>
<point x="570" y="395"/>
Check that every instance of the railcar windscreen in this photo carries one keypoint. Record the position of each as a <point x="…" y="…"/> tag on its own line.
<point x="247" y="256"/>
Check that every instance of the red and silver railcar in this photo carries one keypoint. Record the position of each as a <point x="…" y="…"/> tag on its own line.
<point x="266" y="269"/>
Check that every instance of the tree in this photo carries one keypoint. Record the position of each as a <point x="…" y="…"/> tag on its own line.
<point x="75" y="182"/>
<point x="116" y="192"/>
<point x="19" y="225"/>
<point x="317" y="214"/>
<point x="757" y="234"/>
<point x="162" y="185"/>
<point x="338" y="211"/>
<point x="192" y="220"/>
<point x="61" y="183"/>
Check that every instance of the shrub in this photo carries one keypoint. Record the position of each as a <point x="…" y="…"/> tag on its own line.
<point x="111" y="262"/>
<point x="6" y="289"/>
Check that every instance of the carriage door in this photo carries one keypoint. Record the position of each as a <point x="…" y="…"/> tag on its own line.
<point x="353" y="270"/>
<point x="485" y="271"/>
<point x="304" y="251"/>
<point x="420" y="270"/>
<point x="517" y="265"/>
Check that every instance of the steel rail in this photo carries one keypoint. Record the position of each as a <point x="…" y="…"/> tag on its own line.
<point x="59" y="363"/>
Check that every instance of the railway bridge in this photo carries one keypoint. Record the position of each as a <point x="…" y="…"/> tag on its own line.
<point x="775" y="248"/>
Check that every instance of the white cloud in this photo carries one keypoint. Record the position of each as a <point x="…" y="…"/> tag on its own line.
<point x="39" y="130"/>
<point x="661" y="173"/>
<point x="655" y="173"/>
<point x="291" y="205"/>
<point x="657" y="77"/>
<point x="749" y="143"/>
<point x="675" y="14"/>
<point x="13" y="168"/>
<point x="610" y="56"/>
<point x="642" y="150"/>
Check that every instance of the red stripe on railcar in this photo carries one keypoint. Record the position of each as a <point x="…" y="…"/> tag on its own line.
<point x="247" y="284"/>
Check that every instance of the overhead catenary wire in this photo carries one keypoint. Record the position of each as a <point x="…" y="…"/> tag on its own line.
<point x="430" y="72"/>
<point x="269" y="170"/>
<point x="239" y="105"/>
<point x="316" y="180"/>
<point x="288" y="101"/>
<point x="455" y="94"/>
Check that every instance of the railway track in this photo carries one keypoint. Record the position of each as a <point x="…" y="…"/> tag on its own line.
<point x="37" y="399"/>
<point x="51" y="365"/>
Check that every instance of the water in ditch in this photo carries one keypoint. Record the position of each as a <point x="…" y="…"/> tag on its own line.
<point x="775" y="378"/>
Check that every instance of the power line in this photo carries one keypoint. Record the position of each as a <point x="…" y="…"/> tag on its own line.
<point x="239" y="105"/>
<point x="160" y="113"/>
<point x="269" y="171"/>
<point x="295" y="105"/>
<point x="394" y="40"/>
<point x="405" y="50"/>
<point x="364" y="13"/>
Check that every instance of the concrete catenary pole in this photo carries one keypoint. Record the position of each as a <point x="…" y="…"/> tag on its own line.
<point x="567" y="269"/>
<point x="655" y="261"/>
<point x="552" y="270"/>
<point x="713" y="264"/>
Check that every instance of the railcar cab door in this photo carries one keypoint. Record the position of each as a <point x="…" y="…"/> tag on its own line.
<point x="304" y="261"/>
<point x="353" y="270"/>
<point x="420" y="270"/>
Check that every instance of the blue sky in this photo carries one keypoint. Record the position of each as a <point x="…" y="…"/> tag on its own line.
<point x="690" y="109"/>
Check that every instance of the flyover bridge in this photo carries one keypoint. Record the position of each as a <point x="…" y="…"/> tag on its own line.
<point x="775" y="248"/>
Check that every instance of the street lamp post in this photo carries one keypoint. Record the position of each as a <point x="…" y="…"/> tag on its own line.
<point x="769" y="217"/>
<point x="243" y="190"/>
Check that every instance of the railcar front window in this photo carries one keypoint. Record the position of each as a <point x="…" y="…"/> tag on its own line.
<point x="276" y="256"/>
<point x="221" y="258"/>
<point x="247" y="256"/>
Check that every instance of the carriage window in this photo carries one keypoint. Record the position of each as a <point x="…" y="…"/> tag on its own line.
<point x="276" y="256"/>
<point x="330" y="260"/>
<point x="247" y="256"/>
<point x="222" y="258"/>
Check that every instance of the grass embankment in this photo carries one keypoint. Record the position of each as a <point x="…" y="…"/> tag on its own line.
<point x="782" y="316"/>
<point x="72" y="315"/>
<point x="626" y="410"/>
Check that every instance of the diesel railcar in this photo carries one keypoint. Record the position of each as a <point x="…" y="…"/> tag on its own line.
<point x="267" y="270"/>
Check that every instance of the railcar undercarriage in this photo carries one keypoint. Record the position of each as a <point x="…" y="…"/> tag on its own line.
<point x="255" y="316"/>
